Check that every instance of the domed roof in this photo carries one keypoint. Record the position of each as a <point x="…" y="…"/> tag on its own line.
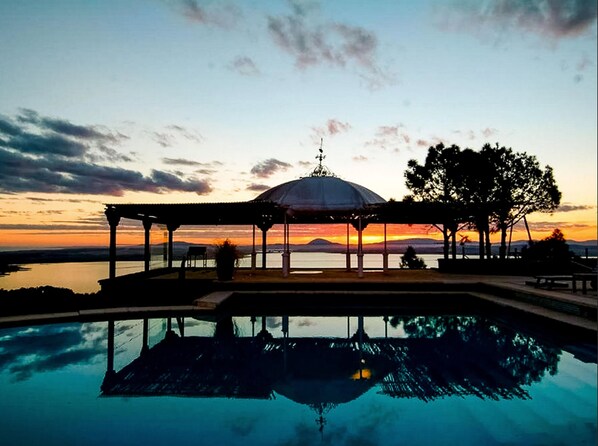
<point x="321" y="193"/>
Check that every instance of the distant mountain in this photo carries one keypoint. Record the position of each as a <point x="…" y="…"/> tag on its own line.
<point x="321" y="242"/>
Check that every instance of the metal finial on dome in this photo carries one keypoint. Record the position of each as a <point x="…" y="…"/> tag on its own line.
<point x="321" y="170"/>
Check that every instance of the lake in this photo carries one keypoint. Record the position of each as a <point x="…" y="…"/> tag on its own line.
<point x="82" y="277"/>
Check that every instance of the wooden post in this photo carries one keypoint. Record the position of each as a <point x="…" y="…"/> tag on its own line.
<point x="253" y="252"/>
<point x="359" y="249"/>
<point x="113" y="221"/>
<point x="147" y="225"/>
<point x="264" y="225"/>
<point x="171" y="228"/>
<point x="348" y="253"/>
<point x="385" y="253"/>
<point x="264" y="248"/>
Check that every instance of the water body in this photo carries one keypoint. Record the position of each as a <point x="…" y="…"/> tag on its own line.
<point x="441" y="380"/>
<point x="82" y="277"/>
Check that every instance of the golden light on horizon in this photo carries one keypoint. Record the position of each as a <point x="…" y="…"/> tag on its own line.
<point x="243" y="236"/>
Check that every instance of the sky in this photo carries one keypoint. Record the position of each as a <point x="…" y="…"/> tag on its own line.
<point x="150" y="101"/>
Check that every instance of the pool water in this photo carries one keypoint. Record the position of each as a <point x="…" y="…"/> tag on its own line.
<point x="295" y="381"/>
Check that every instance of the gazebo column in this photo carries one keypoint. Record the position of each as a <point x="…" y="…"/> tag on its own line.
<point x="253" y="252"/>
<point x="286" y="253"/>
<point x="147" y="225"/>
<point x="348" y="253"/>
<point x="385" y="253"/>
<point x="171" y="228"/>
<point x="264" y="225"/>
<point x="264" y="247"/>
<point x="113" y="221"/>
<point x="359" y="249"/>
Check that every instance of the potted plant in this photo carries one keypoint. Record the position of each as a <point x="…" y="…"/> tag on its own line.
<point x="226" y="256"/>
<point x="411" y="260"/>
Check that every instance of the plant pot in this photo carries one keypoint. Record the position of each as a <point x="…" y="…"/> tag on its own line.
<point x="225" y="269"/>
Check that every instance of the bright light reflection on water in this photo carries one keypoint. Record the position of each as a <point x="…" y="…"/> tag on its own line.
<point x="424" y="380"/>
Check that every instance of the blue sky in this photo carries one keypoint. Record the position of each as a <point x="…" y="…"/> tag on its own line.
<point x="213" y="101"/>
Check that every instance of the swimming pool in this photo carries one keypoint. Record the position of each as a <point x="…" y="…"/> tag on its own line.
<point x="244" y="380"/>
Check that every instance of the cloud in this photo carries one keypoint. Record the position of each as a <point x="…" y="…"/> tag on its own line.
<point x="273" y="322"/>
<point x="269" y="167"/>
<point x="568" y="207"/>
<point x="330" y="128"/>
<point x="545" y="226"/>
<point x="313" y="42"/>
<point x="27" y="351"/>
<point x="258" y="187"/>
<point x="43" y="227"/>
<point x="391" y="137"/>
<point x="45" y="144"/>
<point x="169" y="137"/>
<point x="61" y="200"/>
<point x="488" y="132"/>
<point x="360" y="158"/>
<point x="334" y="126"/>
<point x="67" y="128"/>
<point x="305" y="322"/>
<point x="222" y="15"/>
<point x="8" y="128"/>
<point x="166" y="181"/>
<point x="34" y="157"/>
<point x="557" y="19"/>
<point x="163" y="139"/>
<point x="583" y="65"/>
<point x="244" y="65"/>
<point x="181" y="162"/>
<point x="39" y="135"/>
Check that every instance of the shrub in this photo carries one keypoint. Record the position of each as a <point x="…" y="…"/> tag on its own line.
<point x="411" y="260"/>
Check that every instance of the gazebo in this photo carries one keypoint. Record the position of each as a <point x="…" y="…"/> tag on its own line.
<point x="318" y="198"/>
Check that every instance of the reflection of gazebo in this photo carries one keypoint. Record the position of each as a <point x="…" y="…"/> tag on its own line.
<point x="325" y="372"/>
<point x="320" y="198"/>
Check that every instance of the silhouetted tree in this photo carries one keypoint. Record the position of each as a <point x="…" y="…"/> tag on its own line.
<point x="436" y="181"/>
<point x="475" y="178"/>
<point x="502" y="187"/>
<point x="520" y="187"/>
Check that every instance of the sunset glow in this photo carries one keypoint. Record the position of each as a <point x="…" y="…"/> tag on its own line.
<point x="189" y="101"/>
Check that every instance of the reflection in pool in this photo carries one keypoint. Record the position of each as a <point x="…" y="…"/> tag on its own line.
<point x="295" y="380"/>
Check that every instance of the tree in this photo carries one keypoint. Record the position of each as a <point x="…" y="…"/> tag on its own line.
<point x="519" y="187"/>
<point x="498" y="185"/>
<point x="436" y="181"/>
<point x="475" y="178"/>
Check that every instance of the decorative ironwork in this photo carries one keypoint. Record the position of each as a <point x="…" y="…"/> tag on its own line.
<point x="321" y="170"/>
